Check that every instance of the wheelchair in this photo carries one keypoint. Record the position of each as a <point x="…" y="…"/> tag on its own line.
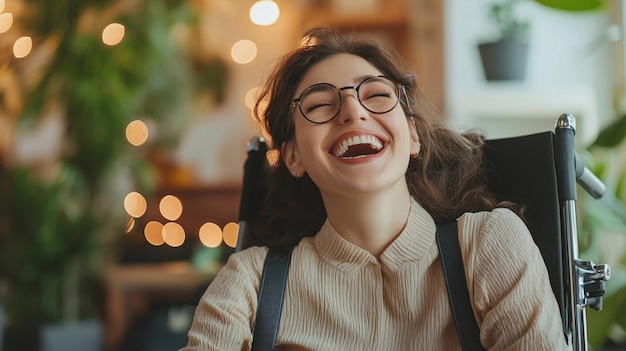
<point x="541" y="172"/>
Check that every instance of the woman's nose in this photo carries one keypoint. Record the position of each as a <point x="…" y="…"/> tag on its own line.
<point x="351" y="109"/>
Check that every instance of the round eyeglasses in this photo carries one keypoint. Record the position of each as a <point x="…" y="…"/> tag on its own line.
<point x="320" y="103"/>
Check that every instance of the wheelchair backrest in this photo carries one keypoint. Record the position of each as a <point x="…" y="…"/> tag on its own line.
<point x="522" y="169"/>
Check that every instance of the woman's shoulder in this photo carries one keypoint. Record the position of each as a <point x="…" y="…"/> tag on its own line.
<point x="498" y="220"/>
<point x="249" y="260"/>
<point x="492" y="231"/>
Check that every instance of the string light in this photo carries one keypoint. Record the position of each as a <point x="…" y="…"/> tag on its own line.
<point x="231" y="232"/>
<point x="251" y="96"/>
<point x="6" y="22"/>
<point x="171" y="207"/>
<point x="173" y="234"/>
<point x="137" y="132"/>
<point x="153" y="232"/>
<point x="135" y="204"/>
<point x="264" y="12"/>
<point x="113" y="34"/>
<point x="130" y="224"/>
<point x="210" y="235"/>
<point x="244" y="51"/>
<point x="22" y="47"/>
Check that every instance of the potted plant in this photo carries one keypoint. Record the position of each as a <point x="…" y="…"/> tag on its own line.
<point x="505" y="57"/>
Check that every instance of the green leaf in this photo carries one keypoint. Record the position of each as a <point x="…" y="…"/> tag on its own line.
<point x="613" y="134"/>
<point x="574" y="5"/>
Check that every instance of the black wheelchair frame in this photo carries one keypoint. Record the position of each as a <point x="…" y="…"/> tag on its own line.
<point x="539" y="171"/>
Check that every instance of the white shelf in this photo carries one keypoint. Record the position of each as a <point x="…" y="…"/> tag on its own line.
<point x="504" y="110"/>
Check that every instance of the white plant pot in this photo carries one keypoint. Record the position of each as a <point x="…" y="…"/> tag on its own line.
<point x="83" y="335"/>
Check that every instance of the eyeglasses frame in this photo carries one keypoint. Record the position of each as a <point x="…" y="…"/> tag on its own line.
<point x="297" y="101"/>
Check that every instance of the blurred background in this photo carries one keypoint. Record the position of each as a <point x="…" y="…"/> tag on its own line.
<point x="124" y="123"/>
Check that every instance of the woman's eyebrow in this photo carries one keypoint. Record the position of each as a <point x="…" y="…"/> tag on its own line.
<point x="360" y="79"/>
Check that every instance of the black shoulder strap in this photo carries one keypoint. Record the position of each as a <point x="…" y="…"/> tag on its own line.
<point x="454" y="275"/>
<point x="271" y="296"/>
<point x="272" y="291"/>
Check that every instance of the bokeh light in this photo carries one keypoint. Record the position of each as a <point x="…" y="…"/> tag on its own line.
<point x="264" y="12"/>
<point x="251" y="96"/>
<point x="273" y="156"/>
<point x="135" y="204"/>
<point x="153" y="232"/>
<point x="244" y="51"/>
<point x="113" y="34"/>
<point x="170" y="207"/>
<point x="231" y="231"/>
<point x="173" y="234"/>
<point x="210" y="235"/>
<point x="137" y="132"/>
<point x="22" y="47"/>
<point x="130" y="224"/>
<point x="6" y="22"/>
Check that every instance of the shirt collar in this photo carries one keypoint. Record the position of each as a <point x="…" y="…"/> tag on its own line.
<point x="413" y="243"/>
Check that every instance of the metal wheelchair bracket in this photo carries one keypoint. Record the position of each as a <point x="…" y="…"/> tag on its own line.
<point x="585" y="280"/>
<point x="592" y="278"/>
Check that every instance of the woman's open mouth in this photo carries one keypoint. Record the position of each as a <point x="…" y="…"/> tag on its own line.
<point x="358" y="146"/>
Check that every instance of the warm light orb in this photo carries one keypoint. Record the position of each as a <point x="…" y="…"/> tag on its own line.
<point x="273" y="157"/>
<point x="153" y="232"/>
<point x="113" y="34"/>
<point x="173" y="234"/>
<point x="243" y="51"/>
<point x="135" y="204"/>
<point x="210" y="235"/>
<point x="22" y="47"/>
<point x="130" y="224"/>
<point x="264" y="12"/>
<point x="137" y="132"/>
<point x="251" y="96"/>
<point x="170" y="207"/>
<point x="2" y="5"/>
<point x="231" y="232"/>
<point x="6" y="22"/>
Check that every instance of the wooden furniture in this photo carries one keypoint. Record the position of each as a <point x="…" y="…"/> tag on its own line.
<point x="131" y="288"/>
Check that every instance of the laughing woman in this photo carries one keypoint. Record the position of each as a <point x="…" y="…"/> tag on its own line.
<point x="365" y="171"/>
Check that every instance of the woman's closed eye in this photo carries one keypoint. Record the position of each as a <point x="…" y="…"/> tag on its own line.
<point x="313" y="103"/>
<point x="383" y="93"/>
<point x="317" y="105"/>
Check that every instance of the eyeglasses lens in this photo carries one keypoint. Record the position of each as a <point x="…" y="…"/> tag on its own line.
<point x="321" y="103"/>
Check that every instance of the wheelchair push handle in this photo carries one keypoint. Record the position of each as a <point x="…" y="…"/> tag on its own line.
<point x="587" y="180"/>
<point x="564" y="142"/>
<point x="257" y="149"/>
<point x="564" y="149"/>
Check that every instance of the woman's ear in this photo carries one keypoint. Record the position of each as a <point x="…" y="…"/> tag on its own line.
<point x="291" y="157"/>
<point x="415" y="139"/>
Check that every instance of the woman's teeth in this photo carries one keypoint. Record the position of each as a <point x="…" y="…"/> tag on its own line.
<point x="358" y="146"/>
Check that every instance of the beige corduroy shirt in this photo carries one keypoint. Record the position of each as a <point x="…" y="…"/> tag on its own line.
<point x="340" y="297"/>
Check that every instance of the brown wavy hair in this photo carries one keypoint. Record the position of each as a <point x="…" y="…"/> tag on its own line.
<point x="447" y="178"/>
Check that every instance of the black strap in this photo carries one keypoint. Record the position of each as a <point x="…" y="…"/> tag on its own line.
<point x="458" y="295"/>
<point x="272" y="292"/>
<point x="271" y="296"/>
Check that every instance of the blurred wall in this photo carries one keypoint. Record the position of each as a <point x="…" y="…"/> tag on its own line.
<point x="571" y="68"/>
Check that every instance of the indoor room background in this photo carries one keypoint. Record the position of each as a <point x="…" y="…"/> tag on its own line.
<point x="124" y="124"/>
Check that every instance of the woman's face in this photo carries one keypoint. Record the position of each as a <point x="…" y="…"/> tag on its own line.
<point x="358" y="151"/>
